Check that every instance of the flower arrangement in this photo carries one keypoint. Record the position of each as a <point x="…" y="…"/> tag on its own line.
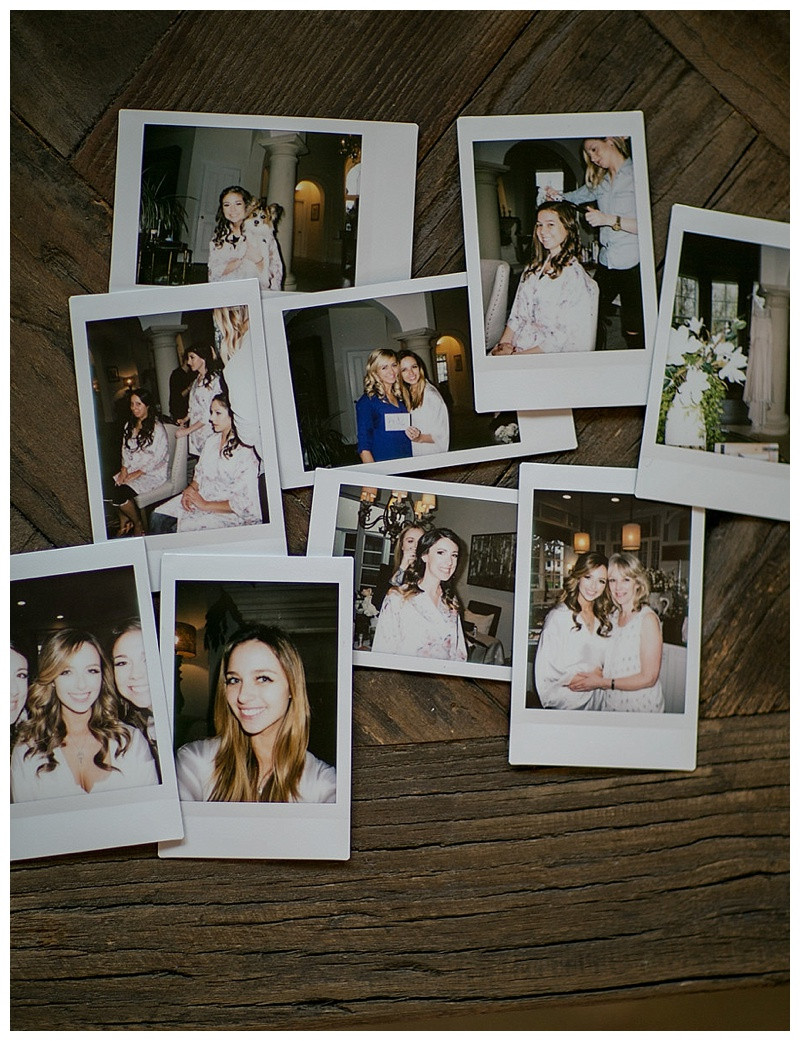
<point x="506" y="434"/>
<point x="698" y="368"/>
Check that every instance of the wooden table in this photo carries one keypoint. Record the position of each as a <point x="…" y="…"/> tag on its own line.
<point x="473" y="888"/>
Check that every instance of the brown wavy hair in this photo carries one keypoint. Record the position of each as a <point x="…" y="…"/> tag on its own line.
<point x="416" y="571"/>
<point x="45" y="730"/>
<point x="235" y="764"/>
<point x="602" y="606"/>
<point x="413" y="396"/>
<point x="570" y="248"/>
<point x="222" y="229"/>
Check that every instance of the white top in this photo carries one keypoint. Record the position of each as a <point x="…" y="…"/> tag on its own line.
<point x="200" y="397"/>
<point x="431" y="418"/>
<point x="564" y="651"/>
<point x="153" y="459"/>
<point x="220" y="478"/>
<point x="556" y="314"/>
<point x="416" y="626"/>
<point x="269" y="276"/>
<point x="135" y="769"/>
<point x="195" y="768"/>
<point x="624" y="659"/>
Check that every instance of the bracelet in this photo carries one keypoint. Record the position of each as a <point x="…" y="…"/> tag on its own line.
<point x="612" y="684"/>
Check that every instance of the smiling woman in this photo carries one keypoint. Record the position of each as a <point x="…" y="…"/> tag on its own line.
<point x="262" y="718"/>
<point x="73" y="741"/>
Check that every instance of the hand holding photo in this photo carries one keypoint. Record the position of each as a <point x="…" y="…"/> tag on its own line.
<point x="718" y="406"/>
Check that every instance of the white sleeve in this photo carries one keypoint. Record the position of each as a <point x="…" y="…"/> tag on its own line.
<point x="437" y="421"/>
<point x="555" y="665"/>
<point x="243" y="498"/>
<point x="192" y="767"/>
<point x="137" y="763"/>
<point x="23" y="776"/>
<point x="318" y="781"/>
<point x="388" y="637"/>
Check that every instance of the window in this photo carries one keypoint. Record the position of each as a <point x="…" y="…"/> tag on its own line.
<point x="724" y="306"/>
<point x="686" y="299"/>
<point x="441" y="368"/>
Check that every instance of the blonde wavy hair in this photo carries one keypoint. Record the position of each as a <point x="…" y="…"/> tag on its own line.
<point x="594" y="173"/>
<point x="232" y="323"/>
<point x="236" y="767"/>
<point x="44" y="730"/>
<point x="373" y="387"/>
<point x="631" y="567"/>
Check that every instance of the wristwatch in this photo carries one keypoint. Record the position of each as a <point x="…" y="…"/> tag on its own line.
<point x="616" y="226"/>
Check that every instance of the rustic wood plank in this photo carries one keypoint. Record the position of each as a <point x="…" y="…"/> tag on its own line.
<point x="23" y="536"/>
<point x="748" y="62"/>
<point x="339" y="70"/>
<point x="60" y="81"/>
<point x="461" y="864"/>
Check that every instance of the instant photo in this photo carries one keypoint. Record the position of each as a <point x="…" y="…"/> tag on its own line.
<point x="299" y="204"/>
<point x="607" y="623"/>
<point x="91" y="762"/>
<point x="383" y="379"/>
<point x="433" y="569"/>
<point x="559" y="259"/>
<point x="176" y="418"/>
<point x="716" y="429"/>
<point x="256" y="654"/>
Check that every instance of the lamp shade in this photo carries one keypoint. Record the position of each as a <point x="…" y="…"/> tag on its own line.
<point x="631" y="536"/>
<point x="581" y="541"/>
<point x="185" y="640"/>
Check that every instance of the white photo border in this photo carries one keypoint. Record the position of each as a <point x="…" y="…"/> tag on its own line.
<point x="386" y="201"/>
<point x="628" y="740"/>
<point x="124" y="817"/>
<point x="569" y="380"/>
<point x="270" y="536"/>
<point x="321" y="533"/>
<point x="540" y="432"/>
<point x="696" y="477"/>
<point x="303" y="831"/>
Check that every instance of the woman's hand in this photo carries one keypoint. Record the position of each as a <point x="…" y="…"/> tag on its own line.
<point x="182" y="431"/>
<point x="585" y="681"/>
<point x="191" y="499"/>
<point x="413" y="433"/>
<point x="122" y="476"/>
<point x="503" y="347"/>
<point x="552" y="194"/>
<point x="597" y="219"/>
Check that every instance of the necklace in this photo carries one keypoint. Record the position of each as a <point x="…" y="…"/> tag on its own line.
<point x="80" y="753"/>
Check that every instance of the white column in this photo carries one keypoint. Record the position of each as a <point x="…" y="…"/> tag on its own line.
<point x="165" y="357"/>
<point x="282" y="154"/>
<point x="488" y="208"/>
<point x="419" y="341"/>
<point x="777" y="422"/>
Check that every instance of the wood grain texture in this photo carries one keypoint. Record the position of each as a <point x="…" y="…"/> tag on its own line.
<point x="473" y="887"/>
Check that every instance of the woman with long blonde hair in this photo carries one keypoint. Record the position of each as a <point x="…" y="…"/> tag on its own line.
<point x="73" y="741"/>
<point x="380" y="434"/>
<point x="262" y="718"/>
<point x="610" y="189"/>
<point x="429" y="432"/>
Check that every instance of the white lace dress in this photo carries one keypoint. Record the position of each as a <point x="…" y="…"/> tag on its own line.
<point x="624" y="659"/>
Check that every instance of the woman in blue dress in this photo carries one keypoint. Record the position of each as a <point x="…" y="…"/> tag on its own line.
<point x="382" y="417"/>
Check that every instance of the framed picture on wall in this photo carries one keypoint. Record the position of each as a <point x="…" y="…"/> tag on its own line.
<point x="415" y="604"/>
<point x="492" y="559"/>
<point x="607" y="623"/>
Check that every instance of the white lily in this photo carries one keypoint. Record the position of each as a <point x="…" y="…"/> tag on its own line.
<point x="677" y="345"/>
<point x="694" y="386"/>
<point x="734" y="370"/>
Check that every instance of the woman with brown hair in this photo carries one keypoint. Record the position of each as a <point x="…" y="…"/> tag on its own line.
<point x="73" y="741"/>
<point x="429" y="431"/>
<point x="555" y="308"/>
<point x="422" y="616"/>
<point x="144" y="460"/>
<point x="261" y="717"/>
<point x="574" y="638"/>
<point x="233" y="253"/>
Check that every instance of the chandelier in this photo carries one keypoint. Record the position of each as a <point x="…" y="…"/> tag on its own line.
<point x="401" y="510"/>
